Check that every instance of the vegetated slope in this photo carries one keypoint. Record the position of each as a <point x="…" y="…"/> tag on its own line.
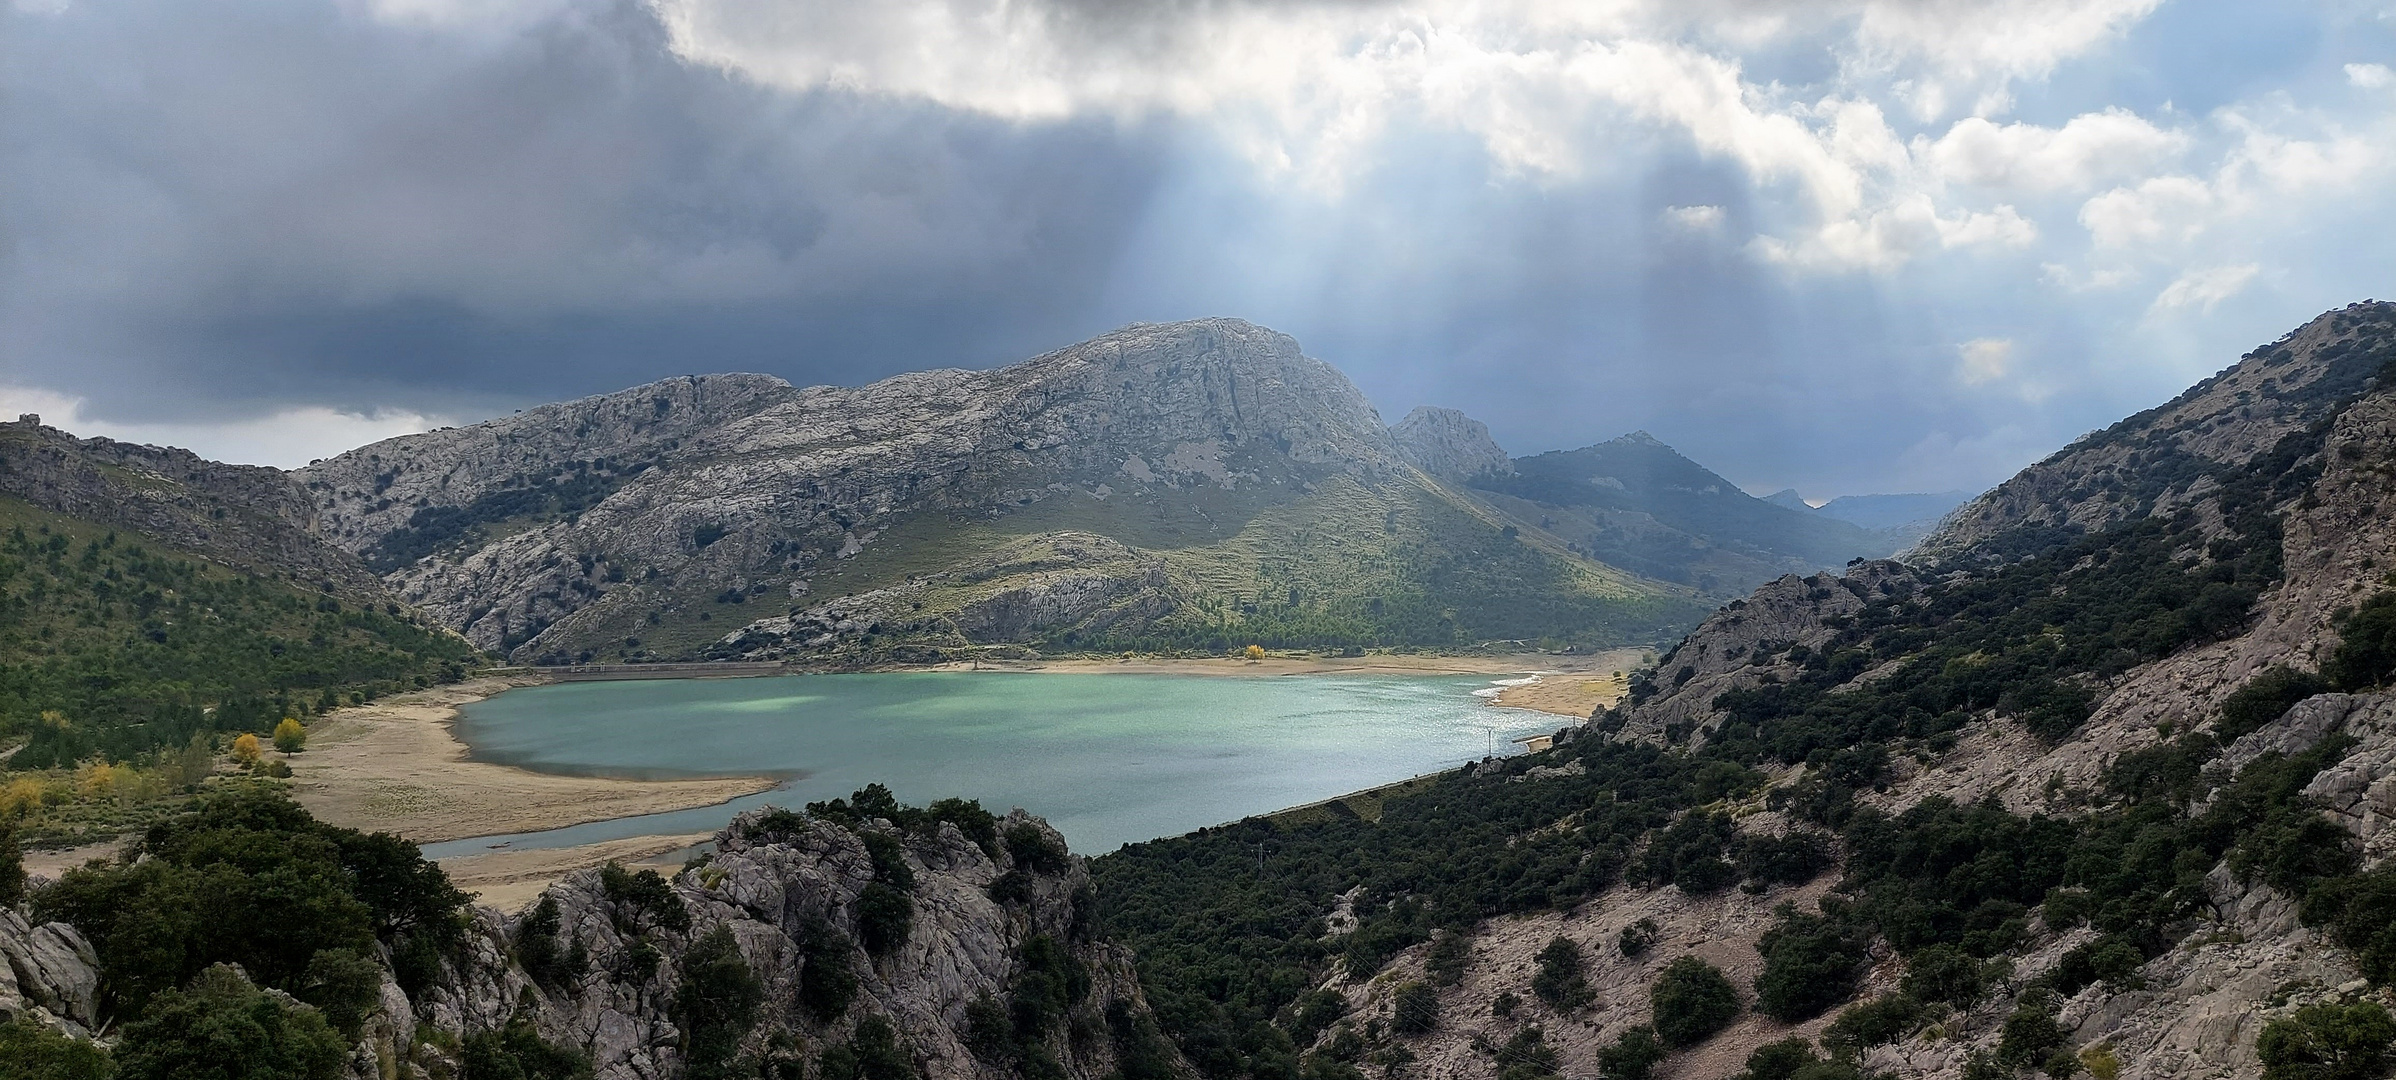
<point x="2103" y="791"/>
<point x="147" y="596"/>
<point x="1192" y="485"/>
<point x="1638" y="504"/>
<point x="859" y="940"/>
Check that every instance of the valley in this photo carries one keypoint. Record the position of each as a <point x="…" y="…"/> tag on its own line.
<point x="2094" y="776"/>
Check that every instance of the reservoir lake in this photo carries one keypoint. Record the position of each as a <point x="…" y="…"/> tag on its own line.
<point x="1108" y="759"/>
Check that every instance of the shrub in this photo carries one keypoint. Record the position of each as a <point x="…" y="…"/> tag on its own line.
<point x="2265" y="698"/>
<point x="2031" y="1035"/>
<point x="1692" y="1000"/>
<point x="517" y="1052"/>
<point x="224" y="1026"/>
<point x="2328" y="1042"/>
<point x="873" y="1053"/>
<point x="1632" y="1056"/>
<point x="1445" y="961"/>
<point x="290" y="737"/>
<point x="827" y="985"/>
<point x="2366" y="653"/>
<point x="1526" y="1056"/>
<point x="1780" y="1060"/>
<point x="1559" y="981"/>
<point x="1414" y="1009"/>
<point x="2360" y="912"/>
<point x="1637" y="938"/>
<point x="30" y="1051"/>
<point x="1504" y="1004"/>
<point x="1810" y="964"/>
<point x="1884" y="1019"/>
<point x="12" y="867"/>
<point x="1033" y="850"/>
<point x="717" y="1001"/>
<point x="1947" y="975"/>
<point x="645" y="897"/>
<point x="344" y="986"/>
<point x="884" y="918"/>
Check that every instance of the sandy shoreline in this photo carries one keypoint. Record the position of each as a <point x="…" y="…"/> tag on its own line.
<point x="397" y="765"/>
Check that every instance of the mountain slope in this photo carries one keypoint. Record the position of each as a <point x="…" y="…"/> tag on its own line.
<point x="148" y="596"/>
<point x="2108" y="788"/>
<point x="1191" y="485"/>
<point x="1636" y="503"/>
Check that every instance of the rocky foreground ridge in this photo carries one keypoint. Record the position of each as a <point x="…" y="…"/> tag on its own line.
<point x="987" y="966"/>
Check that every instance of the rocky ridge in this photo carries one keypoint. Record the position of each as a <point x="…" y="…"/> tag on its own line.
<point x="2194" y="1010"/>
<point x="618" y="525"/>
<point x="1448" y="444"/>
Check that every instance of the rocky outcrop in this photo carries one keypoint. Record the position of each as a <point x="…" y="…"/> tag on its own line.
<point x="792" y="890"/>
<point x="48" y="972"/>
<point x="252" y="518"/>
<point x="1448" y="444"/>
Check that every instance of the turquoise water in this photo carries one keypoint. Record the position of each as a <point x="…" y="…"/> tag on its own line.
<point x="1108" y="759"/>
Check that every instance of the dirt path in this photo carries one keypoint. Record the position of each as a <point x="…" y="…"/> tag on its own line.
<point x="395" y="766"/>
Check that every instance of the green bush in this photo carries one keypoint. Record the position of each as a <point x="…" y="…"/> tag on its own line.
<point x="1691" y="1000"/>
<point x="1884" y="1019"/>
<point x="344" y="986"/>
<point x="2366" y="653"/>
<point x="2328" y="1042"/>
<point x="224" y="1028"/>
<point x="2030" y="1035"/>
<point x="872" y="1053"/>
<point x="2265" y="698"/>
<point x="715" y="1004"/>
<point x="885" y="916"/>
<point x="643" y="900"/>
<point x="517" y="1052"/>
<point x="1946" y="975"/>
<point x="1526" y="1055"/>
<point x="247" y="877"/>
<point x="1632" y="1056"/>
<point x="2360" y="913"/>
<point x="1414" y="1009"/>
<point x="1810" y="964"/>
<point x="1559" y="981"/>
<point x="30" y="1051"/>
<point x="827" y="983"/>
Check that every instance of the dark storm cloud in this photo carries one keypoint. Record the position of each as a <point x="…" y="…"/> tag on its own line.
<point x="1846" y="245"/>
<point x="250" y="206"/>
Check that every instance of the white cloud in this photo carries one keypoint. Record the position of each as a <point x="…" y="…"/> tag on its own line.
<point x="2089" y="149"/>
<point x="1984" y="360"/>
<point x="2202" y="289"/>
<point x="2371" y="76"/>
<point x="1695" y="218"/>
<point x="2162" y="209"/>
<point x="286" y="439"/>
<point x="1550" y="88"/>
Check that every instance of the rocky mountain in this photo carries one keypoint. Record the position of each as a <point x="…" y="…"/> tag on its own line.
<point x="1192" y="485"/>
<point x="1448" y="444"/>
<point x="2102" y="783"/>
<point x="1638" y="504"/>
<point x="251" y="518"/>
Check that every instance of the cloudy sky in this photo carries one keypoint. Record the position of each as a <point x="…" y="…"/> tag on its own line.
<point x="1844" y="245"/>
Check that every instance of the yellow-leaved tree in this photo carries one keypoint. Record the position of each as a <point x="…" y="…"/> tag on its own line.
<point x="1256" y="652"/>
<point x="245" y="749"/>
<point x="290" y="737"/>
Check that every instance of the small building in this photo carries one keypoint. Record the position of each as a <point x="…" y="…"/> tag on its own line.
<point x="1532" y="744"/>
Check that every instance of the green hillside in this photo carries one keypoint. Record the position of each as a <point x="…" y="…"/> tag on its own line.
<point x="116" y="647"/>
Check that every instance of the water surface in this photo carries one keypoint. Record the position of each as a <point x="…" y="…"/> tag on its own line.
<point x="1106" y="758"/>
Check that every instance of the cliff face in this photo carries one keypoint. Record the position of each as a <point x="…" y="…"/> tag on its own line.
<point x="948" y="508"/>
<point x="988" y="920"/>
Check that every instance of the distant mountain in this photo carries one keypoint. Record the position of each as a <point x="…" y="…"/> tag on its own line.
<point x="1788" y="499"/>
<point x="1448" y="444"/>
<point x="1894" y="511"/>
<point x="1638" y="504"/>
<point x="1194" y="485"/>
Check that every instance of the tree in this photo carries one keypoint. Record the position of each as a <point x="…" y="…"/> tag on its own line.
<point x="716" y="1003"/>
<point x="1692" y="1000"/>
<point x="29" y="1051"/>
<point x="246" y="750"/>
<point x="1558" y="980"/>
<point x="12" y="867"/>
<point x="1633" y="1056"/>
<point x="2366" y="653"/>
<point x="1414" y="1009"/>
<point x="343" y="986"/>
<point x="1810" y="964"/>
<point x="517" y="1052"/>
<point x="2328" y="1041"/>
<point x="290" y="737"/>
<point x="223" y="1028"/>
<point x="1254" y="653"/>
